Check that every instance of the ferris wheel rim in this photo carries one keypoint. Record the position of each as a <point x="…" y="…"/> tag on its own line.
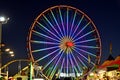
<point x="59" y="7"/>
<point x="62" y="6"/>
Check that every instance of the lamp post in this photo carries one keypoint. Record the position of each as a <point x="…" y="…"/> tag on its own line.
<point x="11" y="53"/>
<point x="3" y="20"/>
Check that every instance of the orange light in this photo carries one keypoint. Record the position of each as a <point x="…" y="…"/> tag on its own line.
<point x="69" y="44"/>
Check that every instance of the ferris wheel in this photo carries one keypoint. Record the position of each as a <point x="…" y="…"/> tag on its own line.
<point x="64" y="41"/>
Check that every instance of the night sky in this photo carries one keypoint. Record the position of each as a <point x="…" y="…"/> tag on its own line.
<point x="104" y="13"/>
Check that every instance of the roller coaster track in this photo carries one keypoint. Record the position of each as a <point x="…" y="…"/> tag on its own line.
<point x="23" y="60"/>
<point x="17" y="60"/>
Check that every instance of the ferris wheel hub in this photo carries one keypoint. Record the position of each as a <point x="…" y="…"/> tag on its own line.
<point x="66" y="44"/>
<point x="69" y="44"/>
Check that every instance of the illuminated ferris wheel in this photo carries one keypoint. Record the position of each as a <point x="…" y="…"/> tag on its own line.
<point x="64" y="41"/>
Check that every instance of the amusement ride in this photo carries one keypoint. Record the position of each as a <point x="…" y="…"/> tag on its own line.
<point x="65" y="42"/>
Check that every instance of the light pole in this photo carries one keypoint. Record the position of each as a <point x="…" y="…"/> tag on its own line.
<point x="3" y="20"/>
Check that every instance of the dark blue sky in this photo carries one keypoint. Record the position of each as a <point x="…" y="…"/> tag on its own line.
<point x="104" y="13"/>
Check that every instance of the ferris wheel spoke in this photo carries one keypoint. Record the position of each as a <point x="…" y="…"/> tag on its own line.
<point x="53" y="52"/>
<point x="76" y="63"/>
<point x="73" y="34"/>
<point x="52" y="25"/>
<point x="86" y="52"/>
<point x="53" y="70"/>
<point x="71" y="30"/>
<point x="63" y="61"/>
<point x="62" y="21"/>
<point x="82" y="55"/>
<point x="67" y="64"/>
<point x="67" y="20"/>
<point x="88" y="40"/>
<point x="49" y="70"/>
<point x="52" y="60"/>
<point x="82" y="29"/>
<point x="51" y="32"/>
<point x="53" y="73"/>
<point x="44" y="42"/>
<point x="44" y="36"/>
<point x="84" y="46"/>
<point x="45" y="49"/>
<point x="84" y="35"/>
<point x="82" y="62"/>
<point x="56" y="22"/>
<point x="57" y="63"/>
<point x="73" y="66"/>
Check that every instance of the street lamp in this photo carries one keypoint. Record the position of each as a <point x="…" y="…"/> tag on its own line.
<point x="9" y="52"/>
<point x="3" y="20"/>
